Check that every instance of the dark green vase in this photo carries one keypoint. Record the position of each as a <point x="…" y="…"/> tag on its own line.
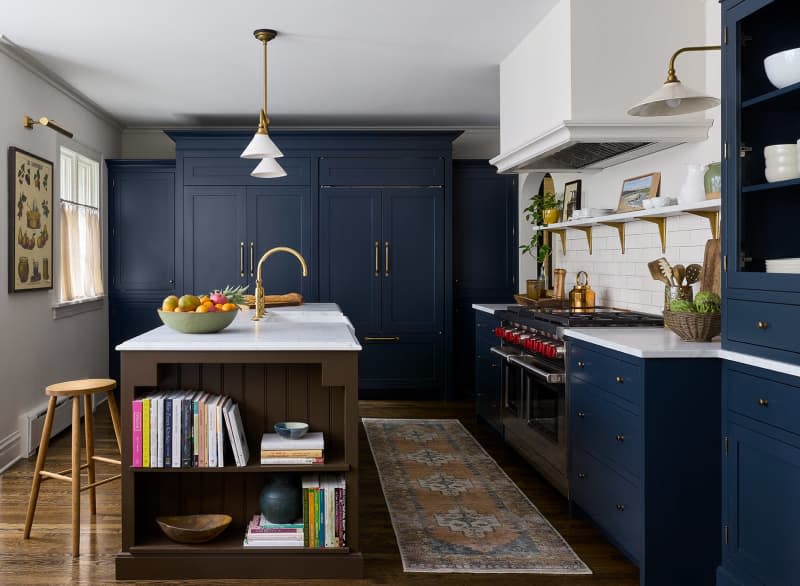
<point x="280" y="499"/>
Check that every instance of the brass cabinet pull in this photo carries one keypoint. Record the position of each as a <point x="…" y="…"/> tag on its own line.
<point x="386" y="259"/>
<point x="763" y="402"/>
<point x="581" y="414"/>
<point x="381" y="338"/>
<point x="619" y="380"/>
<point x="581" y="475"/>
<point x="762" y="325"/>
<point x="377" y="258"/>
<point x="252" y="252"/>
<point x="581" y="364"/>
<point x="620" y="508"/>
<point x="241" y="259"/>
<point x="620" y="438"/>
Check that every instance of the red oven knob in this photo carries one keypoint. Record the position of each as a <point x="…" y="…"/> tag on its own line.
<point x="498" y="331"/>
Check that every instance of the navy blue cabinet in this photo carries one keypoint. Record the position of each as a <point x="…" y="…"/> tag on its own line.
<point x="643" y="464"/>
<point x="759" y="216"/>
<point x="487" y="371"/>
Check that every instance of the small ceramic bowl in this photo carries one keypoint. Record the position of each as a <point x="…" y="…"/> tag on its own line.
<point x="648" y="204"/>
<point x="291" y="429"/>
<point x="780" y="149"/>
<point x="783" y="69"/>
<point x="659" y="202"/>
<point x="781" y="173"/>
<point x="781" y="160"/>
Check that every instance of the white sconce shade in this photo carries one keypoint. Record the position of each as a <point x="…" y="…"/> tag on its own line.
<point x="261" y="147"/>
<point x="671" y="99"/>
<point x="268" y="169"/>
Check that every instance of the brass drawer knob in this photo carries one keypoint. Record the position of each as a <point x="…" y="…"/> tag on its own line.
<point x="620" y="508"/>
<point x="762" y="325"/>
<point x="763" y="402"/>
<point x="620" y="438"/>
<point x="581" y="475"/>
<point x="619" y="380"/>
<point x="581" y="364"/>
<point x="581" y="414"/>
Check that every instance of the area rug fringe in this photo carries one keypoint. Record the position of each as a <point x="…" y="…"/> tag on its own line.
<point x="580" y="566"/>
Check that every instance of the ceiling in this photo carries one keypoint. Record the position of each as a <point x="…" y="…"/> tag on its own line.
<point x="171" y="63"/>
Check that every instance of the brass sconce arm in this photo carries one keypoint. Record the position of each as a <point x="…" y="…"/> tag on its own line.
<point x="29" y="123"/>
<point x="671" y="77"/>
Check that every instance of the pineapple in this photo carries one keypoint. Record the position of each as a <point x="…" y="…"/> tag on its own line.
<point x="235" y="294"/>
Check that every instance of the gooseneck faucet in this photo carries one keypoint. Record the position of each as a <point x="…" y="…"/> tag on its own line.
<point x="260" y="283"/>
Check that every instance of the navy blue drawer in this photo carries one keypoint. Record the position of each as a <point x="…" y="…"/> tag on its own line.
<point x="766" y="400"/>
<point x="609" y="499"/>
<point x="407" y="362"/>
<point x="381" y="171"/>
<point x="232" y="170"/>
<point x="773" y="325"/>
<point x="610" y="374"/>
<point x="604" y="429"/>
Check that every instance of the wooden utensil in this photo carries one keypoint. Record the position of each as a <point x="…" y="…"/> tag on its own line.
<point x="693" y="272"/>
<point x="655" y="272"/>
<point x="678" y="272"/>
<point x="711" y="277"/>
<point x="666" y="270"/>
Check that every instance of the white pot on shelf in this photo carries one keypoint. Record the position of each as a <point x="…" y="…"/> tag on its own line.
<point x="693" y="189"/>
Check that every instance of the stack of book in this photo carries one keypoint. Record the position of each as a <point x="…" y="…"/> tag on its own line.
<point x="309" y="449"/>
<point x="324" y="510"/>
<point x="262" y="533"/>
<point x="187" y="429"/>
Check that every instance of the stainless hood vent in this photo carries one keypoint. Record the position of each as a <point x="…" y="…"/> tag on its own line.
<point x="584" y="154"/>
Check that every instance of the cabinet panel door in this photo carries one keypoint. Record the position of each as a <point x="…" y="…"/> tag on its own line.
<point x="413" y="260"/>
<point x="349" y="231"/>
<point x="143" y="231"/>
<point x="412" y="362"/>
<point x="229" y="169"/>
<point x="214" y="238"/>
<point x="281" y="216"/>
<point x="369" y="171"/>
<point x="763" y="509"/>
<point x="126" y="320"/>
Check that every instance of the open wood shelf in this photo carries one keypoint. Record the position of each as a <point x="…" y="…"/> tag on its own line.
<point x="229" y="542"/>
<point x="334" y="466"/>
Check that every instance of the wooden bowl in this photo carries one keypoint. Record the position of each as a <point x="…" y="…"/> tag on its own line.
<point x="193" y="528"/>
<point x="198" y="323"/>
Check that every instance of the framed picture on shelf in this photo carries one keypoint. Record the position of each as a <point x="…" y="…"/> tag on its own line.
<point x="572" y="199"/>
<point x="30" y="222"/>
<point x="637" y="189"/>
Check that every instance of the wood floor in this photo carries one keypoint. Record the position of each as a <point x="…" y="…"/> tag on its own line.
<point x="46" y="559"/>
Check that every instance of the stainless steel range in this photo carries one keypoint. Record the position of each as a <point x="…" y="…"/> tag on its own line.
<point x="534" y="392"/>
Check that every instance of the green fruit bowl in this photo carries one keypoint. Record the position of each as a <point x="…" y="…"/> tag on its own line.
<point x="198" y="323"/>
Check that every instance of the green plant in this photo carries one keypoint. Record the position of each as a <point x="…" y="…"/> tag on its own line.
<point x="534" y="214"/>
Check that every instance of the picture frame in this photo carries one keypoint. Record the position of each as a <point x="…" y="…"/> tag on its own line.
<point x="30" y="222"/>
<point x="572" y="199"/>
<point x="637" y="189"/>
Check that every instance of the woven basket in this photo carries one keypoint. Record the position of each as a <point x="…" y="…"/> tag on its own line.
<point x="693" y="327"/>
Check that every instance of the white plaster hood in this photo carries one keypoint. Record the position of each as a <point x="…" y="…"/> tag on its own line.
<point x="565" y="90"/>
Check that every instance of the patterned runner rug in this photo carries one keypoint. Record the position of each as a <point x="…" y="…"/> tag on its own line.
<point x="453" y="508"/>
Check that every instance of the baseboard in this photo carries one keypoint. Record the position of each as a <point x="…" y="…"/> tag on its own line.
<point x="9" y="451"/>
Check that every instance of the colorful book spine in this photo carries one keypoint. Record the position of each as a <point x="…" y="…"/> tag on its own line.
<point x="168" y="432"/>
<point x="186" y="432"/>
<point x="291" y="453"/>
<point x="292" y="461"/>
<point x="176" y="431"/>
<point x="305" y="518"/>
<point x="195" y="428"/>
<point x="146" y="433"/>
<point x="136" y="438"/>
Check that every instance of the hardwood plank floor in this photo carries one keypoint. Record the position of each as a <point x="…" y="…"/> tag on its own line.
<point x="46" y="559"/>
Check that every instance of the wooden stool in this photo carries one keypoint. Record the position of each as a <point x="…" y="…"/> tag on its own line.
<point x="75" y="389"/>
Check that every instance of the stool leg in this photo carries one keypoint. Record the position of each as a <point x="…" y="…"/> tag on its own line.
<point x="112" y="407"/>
<point x="88" y="424"/>
<point x="37" y="478"/>
<point x="76" y="476"/>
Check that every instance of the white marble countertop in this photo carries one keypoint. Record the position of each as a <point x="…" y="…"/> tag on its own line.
<point x="490" y="307"/>
<point x="644" y="342"/>
<point x="308" y="327"/>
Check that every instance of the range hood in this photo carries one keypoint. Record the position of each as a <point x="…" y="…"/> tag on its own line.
<point x="592" y="146"/>
<point x="566" y="88"/>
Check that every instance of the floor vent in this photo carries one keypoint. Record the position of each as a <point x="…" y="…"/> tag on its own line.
<point x="32" y="422"/>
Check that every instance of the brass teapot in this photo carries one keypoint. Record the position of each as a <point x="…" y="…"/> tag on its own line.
<point x="581" y="297"/>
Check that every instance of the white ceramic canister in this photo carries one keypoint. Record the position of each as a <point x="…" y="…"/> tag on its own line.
<point x="693" y="188"/>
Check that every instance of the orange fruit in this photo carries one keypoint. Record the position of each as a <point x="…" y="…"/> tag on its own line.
<point x="201" y="309"/>
<point x="169" y="303"/>
<point x="177" y="310"/>
<point x="230" y="307"/>
<point x="204" y="299"/>
<point x="219" y="307"/>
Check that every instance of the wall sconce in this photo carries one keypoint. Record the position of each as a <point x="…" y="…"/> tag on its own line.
<point x="29" y="123"/>
<point x="673" y="97"/>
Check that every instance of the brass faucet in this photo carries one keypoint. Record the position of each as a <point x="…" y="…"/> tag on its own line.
<point x="260" y="283"/>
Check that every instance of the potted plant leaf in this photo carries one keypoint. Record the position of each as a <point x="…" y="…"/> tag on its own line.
<point x="536" y="214"/>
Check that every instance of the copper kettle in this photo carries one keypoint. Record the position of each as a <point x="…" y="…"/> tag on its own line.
<point x="581" y="297"/>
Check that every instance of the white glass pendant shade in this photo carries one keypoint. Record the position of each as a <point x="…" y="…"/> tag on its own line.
<point x="268" y="169"/>
<point x="261" y="147"/>
<point x="671" y="99"/>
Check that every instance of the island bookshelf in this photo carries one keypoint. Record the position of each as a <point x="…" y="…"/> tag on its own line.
<point x="320" y="387"/>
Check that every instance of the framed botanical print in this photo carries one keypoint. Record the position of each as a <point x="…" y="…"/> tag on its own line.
<point x="30" y="222"/>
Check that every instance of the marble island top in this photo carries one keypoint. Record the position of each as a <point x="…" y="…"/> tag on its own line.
<point x="309" y="327"/>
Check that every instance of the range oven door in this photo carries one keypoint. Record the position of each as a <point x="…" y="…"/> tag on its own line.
<point x="510" y="381"/>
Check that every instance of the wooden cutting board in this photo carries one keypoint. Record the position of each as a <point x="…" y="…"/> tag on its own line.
<point x="711" y="278"/>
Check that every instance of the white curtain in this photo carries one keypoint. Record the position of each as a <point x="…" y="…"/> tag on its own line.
<point x="81" y="271"/>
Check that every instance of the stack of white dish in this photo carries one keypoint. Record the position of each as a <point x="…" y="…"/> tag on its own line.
<point x="781" y="162"/>
<point x="590" y="213"/>
<point x="783" y="69"/>
<point x="784" y="265"/>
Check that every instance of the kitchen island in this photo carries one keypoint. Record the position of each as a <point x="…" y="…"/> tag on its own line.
<point x="296" y="364"/>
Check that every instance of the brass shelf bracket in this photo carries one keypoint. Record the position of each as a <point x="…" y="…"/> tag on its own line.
<point x="563" y="235"/>
<point x="588" y="231"/>
<point x="662" y="230"/>
<point x="713" y="220"/>
<point x="620" y="226"/>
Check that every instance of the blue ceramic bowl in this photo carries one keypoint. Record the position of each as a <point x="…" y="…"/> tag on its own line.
<point x="291" y="429"/>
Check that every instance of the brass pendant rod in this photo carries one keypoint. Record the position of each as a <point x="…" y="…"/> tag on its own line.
<point x="265" y="76"/>
<point x="671" y="77"/>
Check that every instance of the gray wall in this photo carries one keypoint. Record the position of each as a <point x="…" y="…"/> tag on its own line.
<point x="35" y="349"/>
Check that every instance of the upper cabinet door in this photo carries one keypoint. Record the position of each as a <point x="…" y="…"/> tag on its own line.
<point x="227" y="168"/>
<point x="281" y="216"/>
<point x="412" y="260"/>
<point x="350" y="251"/>
<point x="381" y="171"/>
<point x="143" y="230"/>
<point x="214" y="238"/>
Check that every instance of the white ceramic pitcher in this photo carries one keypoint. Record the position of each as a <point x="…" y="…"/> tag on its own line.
<point x="693" y="189"/>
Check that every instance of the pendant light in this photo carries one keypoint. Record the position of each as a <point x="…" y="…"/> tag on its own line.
<point x="673" y="97"/>
<point x="261" y="146"/>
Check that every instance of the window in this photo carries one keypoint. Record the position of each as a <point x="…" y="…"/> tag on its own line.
<point x="81" y="259"/>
